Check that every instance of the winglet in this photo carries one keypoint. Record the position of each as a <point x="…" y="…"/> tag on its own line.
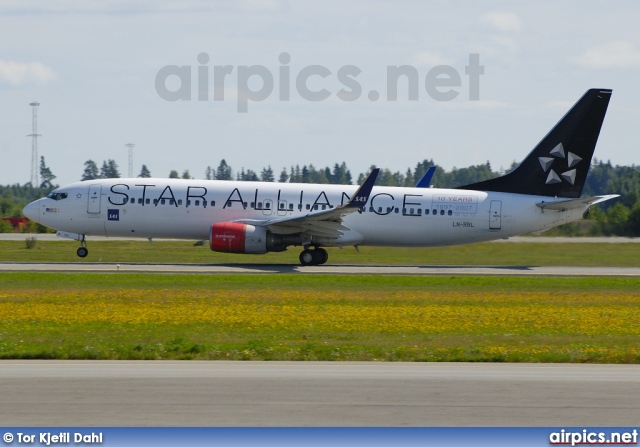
<point x="361" y="196"/>
<point x="425" y="181"/>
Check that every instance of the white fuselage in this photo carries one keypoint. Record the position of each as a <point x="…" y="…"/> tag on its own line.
<point x="186" y="209"/>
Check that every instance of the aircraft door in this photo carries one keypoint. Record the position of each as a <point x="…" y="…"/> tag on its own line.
<point x="282" y="208"/>
<point x="495" y="215"/>
<point x="95" y="194"/>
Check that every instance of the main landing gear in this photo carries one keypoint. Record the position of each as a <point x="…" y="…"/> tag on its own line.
<point x="317" y="256"/>
<point x="83" y="251"/>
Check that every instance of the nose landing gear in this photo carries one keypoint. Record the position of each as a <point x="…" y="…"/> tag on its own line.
<point x="83" y="251"/>
<point x="317" y="256"/>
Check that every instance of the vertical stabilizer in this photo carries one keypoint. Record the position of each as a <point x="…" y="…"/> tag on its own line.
<point x="559" y="164"/>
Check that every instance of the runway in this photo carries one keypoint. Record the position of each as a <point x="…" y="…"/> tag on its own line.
<point x="201" y="393"/>
<point x="327" y="269"/>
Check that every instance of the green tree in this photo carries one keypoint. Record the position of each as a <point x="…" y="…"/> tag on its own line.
<point x="5" y="227"/>
<point x="409" y="180"/>
<point x="174" y="174"/>
<point x="46" y="175"/>
<point x="340" y="174"/>
<point x="633" y="222"/>
<point x="91" y="171"/>
<point x="109" y="169"/>
<point x="186" y="175"/>
<point x="284" y="176"/>
<point x="267" y="175"/>
<point x="224" y="171"/>
<point x="617" y="218"/>
<point x="144" y="172"/>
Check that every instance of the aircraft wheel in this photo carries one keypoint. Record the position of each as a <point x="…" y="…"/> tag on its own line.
<point x="82" y="252"/>
<point x="307" y="257"/>
<point x="321" y="256"/>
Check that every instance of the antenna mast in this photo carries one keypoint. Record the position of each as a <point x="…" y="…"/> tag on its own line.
<point x="35" y="182"/>
<point x="130" y="146"/>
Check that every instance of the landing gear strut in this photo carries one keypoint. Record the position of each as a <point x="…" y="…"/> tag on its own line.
<point x="317" y="256"/>
<point x="83" y="251"/>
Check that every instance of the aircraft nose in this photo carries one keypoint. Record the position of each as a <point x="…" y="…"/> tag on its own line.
<point x="32" y="211"/>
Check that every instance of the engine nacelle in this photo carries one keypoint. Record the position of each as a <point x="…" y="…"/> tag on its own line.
<point x="232" y="237"/>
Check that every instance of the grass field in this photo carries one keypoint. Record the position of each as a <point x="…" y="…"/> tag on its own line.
<point x="531" y="254"/>
<point x="300" y="317"/>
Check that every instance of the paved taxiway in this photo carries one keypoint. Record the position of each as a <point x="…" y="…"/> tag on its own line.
<point x="324" y="269"/>
<point x="196" y="393"/>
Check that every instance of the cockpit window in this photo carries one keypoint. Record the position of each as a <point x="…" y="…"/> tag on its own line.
<point x="58" y="195"/>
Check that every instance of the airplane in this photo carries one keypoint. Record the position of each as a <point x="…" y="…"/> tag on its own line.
<point x="542" y="192"/>
<point x="425" y="181"/>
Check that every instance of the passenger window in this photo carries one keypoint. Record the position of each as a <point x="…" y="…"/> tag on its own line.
<point x="435" y="212"/>
<point x="397" y="210"/>
<point x="197" y="203"/>
<point x="139" y="201"/>
<point x="188" y="202"/>
<point x="162" y="201"/>
<point x="308" y="206"/>
<point x="442" y="212"/>
<point x="260" y="205"/>
<point x="253" y="204"/>
<point x="132" y="200"/>
<point x="267" y="205"/>
<point x="155" y="201"/>
<point x="450" y="213"/>
<point x="213" y="203"/>
<point x="426" y="212"/>
<point x="179" y="201"/>
<point x="291" y="207"/>
<point x="171" y="202"/>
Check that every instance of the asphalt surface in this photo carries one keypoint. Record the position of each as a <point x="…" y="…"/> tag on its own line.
<point x="192" y="393"/>
<point x="196" y="393"/>
<point x="324" y="269"/>
<point x="532" y="239"/>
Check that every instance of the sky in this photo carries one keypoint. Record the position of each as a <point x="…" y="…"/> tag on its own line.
<point x="280" y="83"/>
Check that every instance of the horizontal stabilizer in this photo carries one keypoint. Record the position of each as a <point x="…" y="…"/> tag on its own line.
<point x="565" y="205"/>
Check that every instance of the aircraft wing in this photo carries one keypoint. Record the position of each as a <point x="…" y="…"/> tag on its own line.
<point x="326" y="223"/>
<point x="565" y="205"/>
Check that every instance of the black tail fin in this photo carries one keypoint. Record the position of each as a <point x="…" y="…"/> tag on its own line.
<point x="558" y="165"/>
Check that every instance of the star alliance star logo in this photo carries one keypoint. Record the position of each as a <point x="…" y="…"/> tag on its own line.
<point x="553" y="177"/>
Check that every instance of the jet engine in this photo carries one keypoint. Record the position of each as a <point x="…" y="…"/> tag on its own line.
<point x="233" y="237"/>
